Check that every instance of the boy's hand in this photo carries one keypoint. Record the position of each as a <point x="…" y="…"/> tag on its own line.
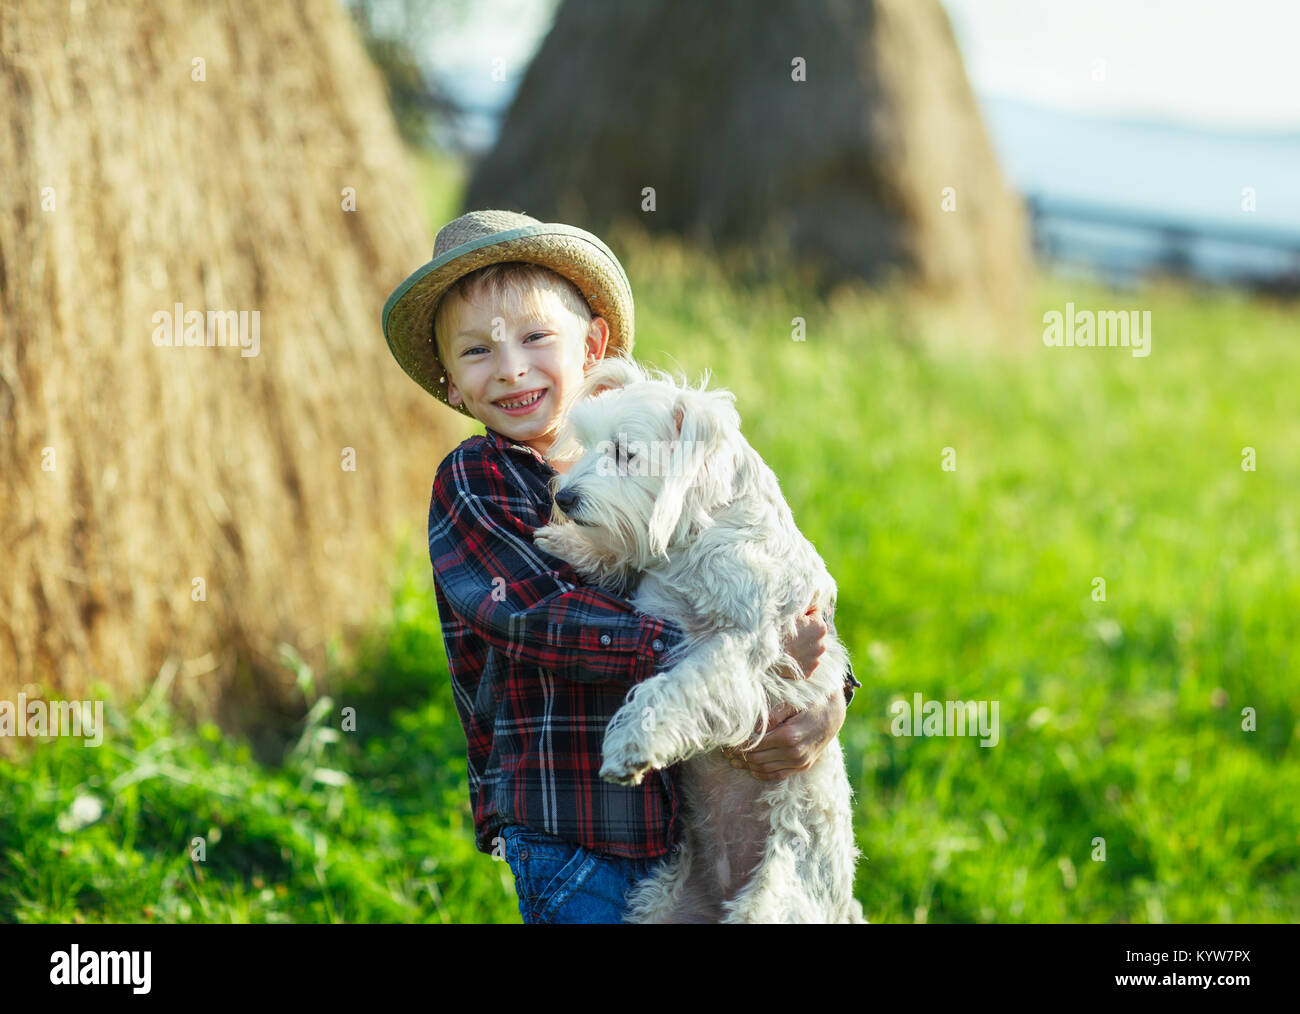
<point x="808" y="643"/>
<point x="794" y="741"/>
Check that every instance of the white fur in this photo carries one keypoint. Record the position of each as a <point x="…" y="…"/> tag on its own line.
<point x="713" y="547"/>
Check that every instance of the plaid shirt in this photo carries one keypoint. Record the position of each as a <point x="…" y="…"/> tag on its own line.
<point x="539" y="661"/>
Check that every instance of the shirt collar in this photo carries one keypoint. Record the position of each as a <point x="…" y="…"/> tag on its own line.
<point x="503" y="444"/>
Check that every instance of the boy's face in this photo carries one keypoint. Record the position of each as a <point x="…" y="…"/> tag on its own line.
<point x="494" y="358"/>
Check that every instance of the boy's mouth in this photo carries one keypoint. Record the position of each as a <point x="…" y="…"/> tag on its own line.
<point x="522" y="404"/>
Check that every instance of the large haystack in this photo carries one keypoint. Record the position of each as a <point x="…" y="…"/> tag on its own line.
<point x="165" y="153"/>
<point x="698" y="101"/>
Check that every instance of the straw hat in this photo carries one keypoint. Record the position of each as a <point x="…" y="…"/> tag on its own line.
<point x="481" y="238"/>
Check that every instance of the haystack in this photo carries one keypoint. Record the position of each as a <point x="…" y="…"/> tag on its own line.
<point x="845" y="132"/>
<point x="179" y="169"/>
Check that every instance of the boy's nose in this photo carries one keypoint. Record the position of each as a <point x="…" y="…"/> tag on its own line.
<point x="565" y="499"/>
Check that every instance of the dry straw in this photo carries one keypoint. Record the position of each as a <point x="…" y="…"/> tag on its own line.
<point x="847" y="132"/>
<point x="130" y="187"/>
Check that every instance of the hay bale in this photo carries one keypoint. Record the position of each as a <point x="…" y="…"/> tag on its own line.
<point x="136" y="179"/>
<point x="847" y="168"/>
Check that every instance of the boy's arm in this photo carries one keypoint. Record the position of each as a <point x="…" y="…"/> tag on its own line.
<point x="525" y="602"/>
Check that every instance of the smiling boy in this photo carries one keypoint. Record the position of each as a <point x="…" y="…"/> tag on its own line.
<point x="501" y="326"/>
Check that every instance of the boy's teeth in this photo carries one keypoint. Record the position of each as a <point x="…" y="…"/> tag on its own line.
<point x="521" y="403"/>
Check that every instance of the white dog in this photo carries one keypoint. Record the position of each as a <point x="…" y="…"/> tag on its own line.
<point x="669" y="503"/>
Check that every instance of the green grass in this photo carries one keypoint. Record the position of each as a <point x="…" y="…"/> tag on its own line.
<point x="368" y="825"/>
<point x="1120" y="720"/>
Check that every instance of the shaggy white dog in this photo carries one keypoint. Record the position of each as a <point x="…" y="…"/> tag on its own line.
<point x="669" y="503"/>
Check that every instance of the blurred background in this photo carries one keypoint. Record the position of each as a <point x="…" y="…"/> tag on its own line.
<point x="859" y="217"/>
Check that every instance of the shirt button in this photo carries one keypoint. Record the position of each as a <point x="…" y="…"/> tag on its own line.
<point x="658" y="645"/>
<point x="604" y="639"/>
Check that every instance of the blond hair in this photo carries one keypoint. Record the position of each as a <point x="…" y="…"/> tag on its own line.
<point x="516" y="286"/>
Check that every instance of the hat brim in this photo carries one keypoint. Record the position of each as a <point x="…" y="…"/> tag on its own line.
<point x="567" y="250"/>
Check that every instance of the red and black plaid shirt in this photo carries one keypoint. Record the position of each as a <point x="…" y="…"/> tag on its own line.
<point x="539" y="661"/>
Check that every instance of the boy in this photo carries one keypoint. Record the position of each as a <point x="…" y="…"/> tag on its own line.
<point x="500" y="326"/>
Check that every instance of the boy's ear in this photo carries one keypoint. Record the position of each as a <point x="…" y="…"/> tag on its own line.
<point x="599" y="332"/>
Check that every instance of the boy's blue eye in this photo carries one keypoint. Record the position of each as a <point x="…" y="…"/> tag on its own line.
<point x="535" y="334"/>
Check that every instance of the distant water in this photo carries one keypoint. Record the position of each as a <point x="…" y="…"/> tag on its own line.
<point x="1185" y="177"/>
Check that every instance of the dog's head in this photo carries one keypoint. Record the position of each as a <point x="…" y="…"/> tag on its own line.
<point x="656" y="459"/>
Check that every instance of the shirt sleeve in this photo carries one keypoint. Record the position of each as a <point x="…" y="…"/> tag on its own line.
<point x="525" y="602"/>
<point x="850" y="681"/>
<point x="850" y="684"/>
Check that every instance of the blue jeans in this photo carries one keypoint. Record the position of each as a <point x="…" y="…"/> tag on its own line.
<point x="560" y="882"/>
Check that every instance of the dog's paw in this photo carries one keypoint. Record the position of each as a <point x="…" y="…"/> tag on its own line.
<point x="623" y="765"/>
<point x="630" y="773"/>
<point x="552" y="539"/>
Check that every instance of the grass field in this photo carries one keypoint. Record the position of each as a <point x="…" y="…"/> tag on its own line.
<point x="1120" y="720"/>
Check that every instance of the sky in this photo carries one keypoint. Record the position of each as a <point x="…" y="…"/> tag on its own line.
<point x="1199" y="62"/>
<point x="1205" y="62"/>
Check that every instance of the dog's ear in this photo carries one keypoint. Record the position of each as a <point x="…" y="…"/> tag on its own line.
<point x="565" y="446"/>
<point x="703" y="463"/>
<point x="611" y="373"/>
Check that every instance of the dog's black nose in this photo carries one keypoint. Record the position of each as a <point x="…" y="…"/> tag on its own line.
<point x="565" y="499"/>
